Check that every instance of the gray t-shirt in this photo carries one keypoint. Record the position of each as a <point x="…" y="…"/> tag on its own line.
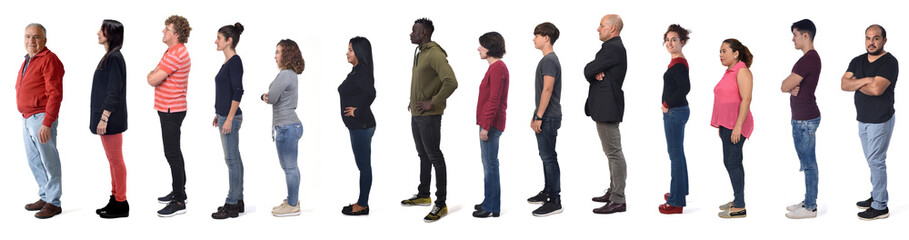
<point x="549" y="66"/>
<point x="282" y="94"/>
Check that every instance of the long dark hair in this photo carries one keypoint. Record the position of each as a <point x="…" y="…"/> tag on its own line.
<point x="113" y="31"/>
<point x="363" y="49"/>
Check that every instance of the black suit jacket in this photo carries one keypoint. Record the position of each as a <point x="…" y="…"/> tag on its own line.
<point x="605" y="99"/>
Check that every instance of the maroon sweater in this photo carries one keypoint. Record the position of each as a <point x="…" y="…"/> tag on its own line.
<point x="493" y="97"/>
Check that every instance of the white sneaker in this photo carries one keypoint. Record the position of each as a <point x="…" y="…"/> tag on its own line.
<point x="796" y="206"/>
<point x="286" y="209"/>
<point x="801" y="212"/>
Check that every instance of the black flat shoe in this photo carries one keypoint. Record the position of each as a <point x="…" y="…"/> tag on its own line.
<point x="348" y="210"/>
<point x="478" y="207"/>
<point x="484" y="214"/>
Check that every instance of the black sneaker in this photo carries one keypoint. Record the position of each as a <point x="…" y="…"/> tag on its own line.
<point x="872" y="214"/>
<point x="172" y="209"/>
<point x="166" y="198"/>
<point x="549" y="208"/>
<point x="540" y="198"/>
<point x="864" y="204"/>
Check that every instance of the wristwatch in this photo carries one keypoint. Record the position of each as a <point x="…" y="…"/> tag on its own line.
<point x="535" y="117"/>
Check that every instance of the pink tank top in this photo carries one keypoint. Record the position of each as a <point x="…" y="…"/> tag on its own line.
<point x="726" y="102"/>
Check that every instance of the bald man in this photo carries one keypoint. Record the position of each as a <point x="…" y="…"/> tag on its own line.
<point x="606" y="106"/>
<point x="872" y="76"/>
<point x="39" y="92"/>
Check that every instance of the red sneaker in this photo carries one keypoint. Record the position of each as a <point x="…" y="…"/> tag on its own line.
<point x="668" y="209"/>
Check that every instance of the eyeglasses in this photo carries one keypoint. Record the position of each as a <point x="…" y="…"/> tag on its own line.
<point x="169" y="30"/>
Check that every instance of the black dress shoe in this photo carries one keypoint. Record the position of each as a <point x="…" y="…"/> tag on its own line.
<point x="478" y="207"/>
<point x="484" y="214"/>
<point x="610" y="208"/>
<point x="348" y="210"/>
<point x="241" y="205"/>
<point x="603" y="199"/>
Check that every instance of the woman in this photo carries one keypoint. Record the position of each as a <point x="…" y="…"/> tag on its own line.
<point x="732" y="115"/>
<point x="108" y="114"/>
<point x="286" y="126"/>
<point x="358" y="92"/>
<point x="675" y="115"/>
<point x="491" y="104"/>
<point x="228" y="91"/>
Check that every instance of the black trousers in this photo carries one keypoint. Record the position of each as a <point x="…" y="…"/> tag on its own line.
<point x="170" y="134"/>
<point x="426" y="136"/>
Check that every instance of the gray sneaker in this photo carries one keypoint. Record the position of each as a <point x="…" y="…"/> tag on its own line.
<point x="801" y="212"/>
<point x="796" y="206"/>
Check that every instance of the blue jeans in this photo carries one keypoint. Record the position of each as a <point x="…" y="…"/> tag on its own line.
<point x="231" y="145"/>
<point x="732" y="158"/>
<point x="674" y="125"/>
<point x="43" y="159"/>
<point x="489" y="152"/>
<point x="361" y="143"/>
<point x="875" y="141"/>
<point x="803" y="136"/>
<point x="546" y="144"/>
<point x="287" y="138"/>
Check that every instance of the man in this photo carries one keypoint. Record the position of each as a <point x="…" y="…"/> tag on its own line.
<point x="872" y="76"/>
<point x="170" y="79"/>
<point x="806" y="116"/>
<point x="39" y="91"/>
<point x="432" y="83"/>
<point x="606" y="106"/>
<point x="547" y="118"/>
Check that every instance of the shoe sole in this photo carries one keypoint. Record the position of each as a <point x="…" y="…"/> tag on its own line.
<point x="534" y="202"/>
<point x="882" y="216"/>
<point x="415" y="204"/>
<point x="178" y="212"/>
<point x="800" y="217"/>
<point x="286" y="214"/>
<point x="166" y="202"/>
<point x="431" y="221"/>
<point x="548" y="214"/>
<point x="862" y="208"/>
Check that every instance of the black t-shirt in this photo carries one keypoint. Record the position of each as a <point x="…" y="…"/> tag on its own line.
<point x="875" y="109"/>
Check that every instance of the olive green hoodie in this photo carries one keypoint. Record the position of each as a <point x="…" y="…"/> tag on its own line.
<point x="432" y="79"/>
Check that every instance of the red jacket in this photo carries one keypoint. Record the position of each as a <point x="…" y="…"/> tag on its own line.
<point x="40" y="88"/>
<point x="493" y="99"/>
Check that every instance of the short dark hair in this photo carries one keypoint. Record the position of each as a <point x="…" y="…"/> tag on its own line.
<point x="547" y="29"/>
<point x="805" y="26"/>
<point x="677" y="29"/>
<point x="232" y="32"/>
<point x="181" y="27"/>
<point x="495" y="43"/>
<point x="883" y="32"/>
<point x="427" y="24"/>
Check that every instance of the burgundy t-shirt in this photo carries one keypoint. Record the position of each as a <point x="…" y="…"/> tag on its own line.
<point x="804" y="106"/>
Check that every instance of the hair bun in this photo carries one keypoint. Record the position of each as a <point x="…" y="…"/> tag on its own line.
<point x="239" y="27"/>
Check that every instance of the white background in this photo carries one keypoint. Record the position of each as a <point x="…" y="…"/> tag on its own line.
<point x="329" y="175"/>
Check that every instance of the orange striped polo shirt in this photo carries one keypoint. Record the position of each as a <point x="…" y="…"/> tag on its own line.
<point x="170" y="95"/>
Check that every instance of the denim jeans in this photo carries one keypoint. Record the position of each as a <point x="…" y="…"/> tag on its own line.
<point x="287" y="138"/>
<point x="427" y="136"/>
<point x="489" y="153"/>
<point x="875" y="141"/>
<point x="361" y="143"/>
<point x="231" y="144"/>
<point x="674" y="122"/>
<point x="732" y="158"/>
<point x="611" y="140"/>
<point x="43" y="159"/>
<point x="804" y="138"/>
<point x="546" y="144"/>
<point x="170" y="135"/>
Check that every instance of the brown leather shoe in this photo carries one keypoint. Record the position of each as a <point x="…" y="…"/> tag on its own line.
<point x="610" y="208"/>
<point x="35" y="206"/>
<point x="49" y="210"/>
<point x="602" y="199"/>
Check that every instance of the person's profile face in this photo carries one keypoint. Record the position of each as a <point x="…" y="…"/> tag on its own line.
<point x="417" y="32"/>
